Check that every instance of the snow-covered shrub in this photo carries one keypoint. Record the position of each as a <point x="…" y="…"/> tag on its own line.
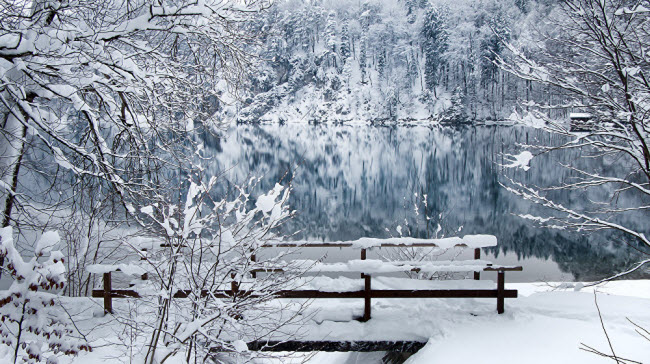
<point x="32" y="325"/>
<point x="204" y="246"/>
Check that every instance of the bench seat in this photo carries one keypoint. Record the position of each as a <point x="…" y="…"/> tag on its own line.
<point x="374" y="266"/>
<point x="344" y="284"/>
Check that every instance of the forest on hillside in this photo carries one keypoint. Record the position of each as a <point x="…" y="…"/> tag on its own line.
<point x="378" y="60"/>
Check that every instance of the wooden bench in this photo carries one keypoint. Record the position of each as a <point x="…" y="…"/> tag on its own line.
<point x="367" y="268"/>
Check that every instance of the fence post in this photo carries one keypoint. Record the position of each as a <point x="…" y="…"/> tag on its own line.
<point x="500" y="291"/>
<point x="234" y="286"/>
<point x="363" y="257"/>
<point x="366" y="303"/>
<point x="477" y="255"/>
<point x="108" y="301"/>
<point x="253" y="259"/>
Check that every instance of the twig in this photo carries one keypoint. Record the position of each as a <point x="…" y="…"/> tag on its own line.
<point x="600" y="316"/>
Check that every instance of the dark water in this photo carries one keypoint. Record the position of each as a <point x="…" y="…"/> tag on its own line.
<point x="354" y="181"/>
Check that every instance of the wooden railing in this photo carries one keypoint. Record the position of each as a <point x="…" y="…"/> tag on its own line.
<point x="367" y="293"/>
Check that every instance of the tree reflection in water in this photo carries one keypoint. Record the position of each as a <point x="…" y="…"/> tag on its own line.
<point x="358" y="180"/>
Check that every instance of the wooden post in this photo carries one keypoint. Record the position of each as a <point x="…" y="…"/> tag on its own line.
<point x="108" y="302"/>
<point x="363" y="257"/>
<point x="234" y="286"/>
<point x="366" y="303"/>
<point x="253" y="259"/>
<point x="477" y="255"/>
<point x="500" y="291"/>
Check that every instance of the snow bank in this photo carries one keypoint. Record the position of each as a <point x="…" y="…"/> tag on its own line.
<point x="546" y="327"/>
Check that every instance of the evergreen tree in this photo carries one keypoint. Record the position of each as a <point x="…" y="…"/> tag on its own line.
<point x="492" y="47"/>
<point x="456" y="112"/>
<point x="411" y="11"/>
<point x="381" y="62"/>
<point x="330" y="32"/>
<point x="365" y="28"/>
<point x="522" y="5"/>
<point x="345" y="42"/>
<point x="412" y="69"/>
<point x="435" y="37"/>
<point x="363" y="55"/>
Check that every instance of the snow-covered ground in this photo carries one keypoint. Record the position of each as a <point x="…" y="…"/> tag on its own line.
<point x="546" y="324"/>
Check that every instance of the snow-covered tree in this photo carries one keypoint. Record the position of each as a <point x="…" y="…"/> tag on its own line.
<point x="330" y="32"/>
<point x="386" y="39"/>
<point x="345" y="42"/>
<point x="107" y="91"/>
<point x="594" y="55"/>
<point x="456" y="112"/>
<point x="103" y="99"/>
<point x="434" y="45"/>
<point x="492" y="46"/>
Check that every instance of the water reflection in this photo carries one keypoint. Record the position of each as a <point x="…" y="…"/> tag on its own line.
<point x="353" y="181"/>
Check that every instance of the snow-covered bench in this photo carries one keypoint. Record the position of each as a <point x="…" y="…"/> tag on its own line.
<point x="366" y="267"/>
<point x="370" y="267"/>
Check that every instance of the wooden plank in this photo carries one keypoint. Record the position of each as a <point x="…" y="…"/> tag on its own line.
<point x="440" y="293"/>
<point x="315" y="294"/>
<point x="330" y="346"/>
<point x="348" y="245"/>
<point x="460" y="268"/>
<point x="503" y="269"/>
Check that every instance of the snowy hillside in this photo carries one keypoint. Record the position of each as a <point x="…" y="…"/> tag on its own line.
<point x="382" y="60"/>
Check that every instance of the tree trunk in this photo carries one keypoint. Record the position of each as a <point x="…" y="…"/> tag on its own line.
<point x="13" y="148"/>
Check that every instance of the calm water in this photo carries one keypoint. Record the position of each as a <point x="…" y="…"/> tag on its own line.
<point x="354" y="181"/>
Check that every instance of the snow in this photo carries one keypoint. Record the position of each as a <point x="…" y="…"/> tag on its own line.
<point x="546" y="324"/>
<point x="521" y="160"/>
<point x="46" y="242"/>
<point x="637" y="9"/>
<point x="240" y="346"/>
<point x="379" y="266"/>
<point x="267" y="202"/>
<point x="584" y="115"/>
<point x="548" y="327"/>
<point x="124" y="268"/>
<point x="470" y="241"/>
<point x="528" y="119"/>
<point x="344" y="284"/>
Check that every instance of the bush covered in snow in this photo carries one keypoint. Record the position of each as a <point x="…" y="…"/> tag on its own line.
<point x="33" y="326"/>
